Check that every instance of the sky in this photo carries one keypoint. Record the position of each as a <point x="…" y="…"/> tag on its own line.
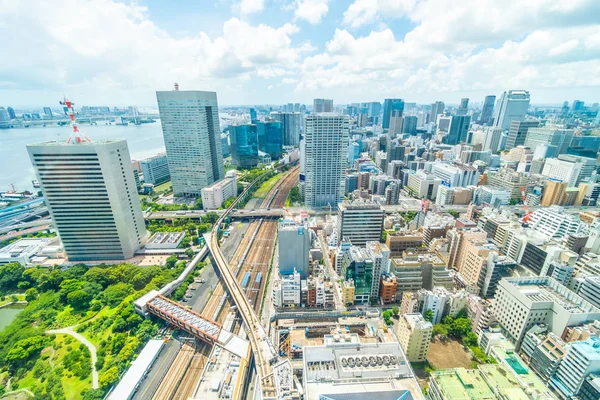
<point x="107" y="52"/>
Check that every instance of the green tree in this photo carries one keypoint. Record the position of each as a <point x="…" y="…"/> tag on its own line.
<point x="108" y="377"/>
<point x="429" y="315"/>
<point x="10" y="275"/>
<point x="470" y="339"/>
<point x="114" y="294"/>
<point x="460" y="327"/>
<point x="171" y="261"/>
<point x="210" y="217"/>
<point x="440" y="330"/>
<point x="189" y="253"/>
<point x="395" y="311"/>
<point x="31" y="294"/>
<point x="79" y="299"/>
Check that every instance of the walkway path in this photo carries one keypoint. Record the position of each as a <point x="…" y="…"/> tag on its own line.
<point x="71" y="331"/>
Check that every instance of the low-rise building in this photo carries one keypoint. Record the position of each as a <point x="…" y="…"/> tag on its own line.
<point x="387" y="289"/>
<point x="286" y="291"/>
<point x="165" y="240"/>
<point x="214" y="196"/>
<point x="23" y="250"/>
<point x="155" y="169"/>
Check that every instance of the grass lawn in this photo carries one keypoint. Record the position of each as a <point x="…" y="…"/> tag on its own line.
<point x="262" y="191"/>
<point x="448" y="354"/>
<point x="163" y="187"/>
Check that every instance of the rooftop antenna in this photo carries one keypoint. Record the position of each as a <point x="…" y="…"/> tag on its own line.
<point x="176" y="85"/>
<point x="75" y="135"/>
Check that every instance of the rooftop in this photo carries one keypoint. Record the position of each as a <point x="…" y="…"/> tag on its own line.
<point x="462" y="384"/>
<point x="166" y="237"/>
<point x="23" y="247"/>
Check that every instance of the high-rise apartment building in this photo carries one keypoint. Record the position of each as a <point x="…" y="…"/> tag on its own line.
<point x="360" y="221"/>
<point x="554" y="193"/>
<point x="323" y="159"/>
<point x="487" y="111"/>
<point x="518" y="133"/>
<point x="155" y="169"/>
<point x="558" y="140"/>
<point x="512" y="106"/>
<point x="294" y="247"/>
<point x="190" y="123"/>
<point x="91" y="195"/>
<point x="582" y="359"/>
<point x="414" y="335"/>
<point x="291" y="126"/>
<point x="322" y="105"/>
<point x="458" y="130"/>
<point x="437" y="108"/>
<point x="389" y="105"/>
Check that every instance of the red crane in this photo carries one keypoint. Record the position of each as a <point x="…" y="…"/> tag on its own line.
<point x="75" y="136"/>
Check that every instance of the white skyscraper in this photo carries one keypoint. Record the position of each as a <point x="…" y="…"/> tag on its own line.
<point x="512" y="106"/>
<point x="190" y="123"/>
<point x="324" y="159"/>
<point x="91" y="195"/>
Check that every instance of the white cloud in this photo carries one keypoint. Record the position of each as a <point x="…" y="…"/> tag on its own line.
<point x="247" y="7"/>
<point x="311" y="11"/>
<point x="363" y="12"/>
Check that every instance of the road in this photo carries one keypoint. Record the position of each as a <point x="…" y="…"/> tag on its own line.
<point x="71" y="332"/>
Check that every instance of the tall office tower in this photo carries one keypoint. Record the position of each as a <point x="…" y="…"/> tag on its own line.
<point x="464" y="105"/>
<point x="396" y="125"/>
<point x="518" y="133"/>
<point x="557" y="139"/>
<point x="409" y="124"/>
<point x="487" y="110"/>
<point x="322" y="105"/>
<point x="90" y="192"/>
<point x="493" y="138"/>
<point x="4" y="117"/>
<point x="577" y="106"/>
<point x="459" y="130"/>
<point x="389" y="105"/>
<point x="155" y="169"/>
<point x="374" y="109"/>
<point x="291" y="125"/>
<point x="190" y="123"/>
<point x="513" y="106"/>
<point x="270" y="138"/>
<point x="360" y="221"/>
<point x="253" y="116"/>
<point x="12" y="115"/>
<point x="437" y="108"/>
<point x="294" y="247"/>
<point x="588" y="165"/>
<point x="324" y="159"/>
<point x="244" y="145"/>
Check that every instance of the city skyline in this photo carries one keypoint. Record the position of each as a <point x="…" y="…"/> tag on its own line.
<point x="272" y="52"/>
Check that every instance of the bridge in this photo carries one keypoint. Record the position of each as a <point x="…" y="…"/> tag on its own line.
<point x="274" y="376"/>
<point x="208" y="331"/>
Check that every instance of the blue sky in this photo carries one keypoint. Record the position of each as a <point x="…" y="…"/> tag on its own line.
<point x="279" y="51"/>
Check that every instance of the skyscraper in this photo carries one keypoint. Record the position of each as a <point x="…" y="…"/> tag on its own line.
<point x="518" y="133"/>
<point x="437" y="108"/>
<point x="253" y="117"/>
<point x="487" y="110"/>
<point x="11" y="113"/>
<point x="324" y="159"/>
<point x="459" y="129"/>
<point x="244" y="145"/>
<point x="4" y="118"/>
<point x="270" y="138"/>
<point x="291" y="125"/>
<point x="513" y="106"/>
<point x="464" y="104"/>
<point x="389" y="105"/>
<point x="155" y="169"/>
<point x="409" y="124"/>
<point x="190" y="123"/>
<point x="91" y="195"/>
<point x="322" y="105"/>
<point x="556" y="138"/>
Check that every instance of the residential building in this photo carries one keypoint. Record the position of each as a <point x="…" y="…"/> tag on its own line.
<point x="512" y="106"/>
<point x="155" y="169"/>
<point x="360" y="221"/>
<point x="414" y="335"/>
<point x="523" y="302"/>
<point x="190" y="124"/>
<point x="480" y="312"/>
<point x="90" y="192"/>
<point x="322" y="105"/>
<point x="270" y="138"/>
<point x="380" y="256"/>
<point x="420" y="269"/>
<point x="554" y="193"/>
<point x="581" y="360"/>
<point x="324" y="159"/>
<point x="388" y="288"/>
<point x="291" y="126"/>
<point x="215" y="195"/>
<point x="509" y="179"/>
<point x="589" y="289"/>
<point x="554" y="222"/>
<point x="518" y="133"/>
<point x="547" y="356"/>
<point x="557" y="139"/>
<point x="348" y="292"/>
<point x="294" y="247"/>
<point x="389" y="105"/>
<point x="590" y="389"/>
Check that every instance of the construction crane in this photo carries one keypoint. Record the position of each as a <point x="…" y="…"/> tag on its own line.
<point x="75" y="135"/>
<point x="527" y="215"/>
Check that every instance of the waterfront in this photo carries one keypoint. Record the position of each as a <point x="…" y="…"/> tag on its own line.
<point x="143" y="140"/>
<point x="9" y="313"/>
